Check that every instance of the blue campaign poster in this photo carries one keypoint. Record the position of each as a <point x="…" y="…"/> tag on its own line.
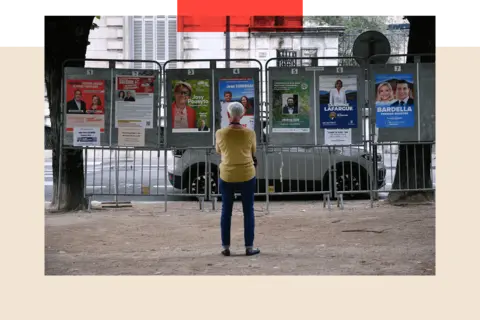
<point x="394" y="101"/>
<point x="338" y="101"/>
<point x="240" y="90"/>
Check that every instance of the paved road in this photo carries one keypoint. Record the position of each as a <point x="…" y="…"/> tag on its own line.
<point x="133" y="175"/>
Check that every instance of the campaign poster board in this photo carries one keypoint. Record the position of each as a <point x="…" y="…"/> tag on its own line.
<point x="238" y="85"/>
<point x="341" y="103"/>
<point x="291" y="101"/>
<point x="189" y="108"/>
<point x="87" y="104"/>
<point x="136" y="111"/>
<point x="394" y="107"/>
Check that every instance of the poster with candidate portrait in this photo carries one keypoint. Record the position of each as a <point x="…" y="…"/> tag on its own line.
<point x="85" y="104"/>
<point x="237" y="90"/>
<point x="338" y="101"/>
<point x="291" y="106"/>
<point x="394" y="100"/>
<point x="191" y="106"/>
<point x="134" y="101"/>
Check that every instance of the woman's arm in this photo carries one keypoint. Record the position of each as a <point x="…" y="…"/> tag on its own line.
<point x="331" y="96"/>
<point x="254" y="142"/>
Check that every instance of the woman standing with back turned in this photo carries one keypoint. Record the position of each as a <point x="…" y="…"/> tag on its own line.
<point x="237" y="146"/>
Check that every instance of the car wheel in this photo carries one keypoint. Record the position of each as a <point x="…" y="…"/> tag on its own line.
<point x="351" y="177"/>
<point x="198" y="184"/>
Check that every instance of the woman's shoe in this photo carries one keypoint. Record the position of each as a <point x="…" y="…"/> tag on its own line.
<point x="251" y="251"/>
<point x="226" y="252"/>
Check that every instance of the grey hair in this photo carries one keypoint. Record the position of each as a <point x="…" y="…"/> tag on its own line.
<point x="235" y="109"/>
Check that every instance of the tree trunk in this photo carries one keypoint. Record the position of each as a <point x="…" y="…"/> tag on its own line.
<point x="414" y="160"/>
<point x="65" y="38"/>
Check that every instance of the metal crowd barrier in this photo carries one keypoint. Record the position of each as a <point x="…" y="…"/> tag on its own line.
<point x="331" y="171"/>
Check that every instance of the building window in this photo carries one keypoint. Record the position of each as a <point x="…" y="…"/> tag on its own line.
<point x="286" y="58"/>
<point x="308" y="53"/>
<point x="154" y="38"/>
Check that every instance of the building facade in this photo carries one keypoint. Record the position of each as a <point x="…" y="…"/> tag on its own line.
<point x="156" y="38"/>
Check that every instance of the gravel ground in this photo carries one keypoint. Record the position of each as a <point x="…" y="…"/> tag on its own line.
<point x="295" y="238"/>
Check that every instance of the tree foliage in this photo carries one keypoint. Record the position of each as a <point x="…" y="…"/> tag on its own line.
<point x="354" y="26"/>
<point x="351" y="23"/>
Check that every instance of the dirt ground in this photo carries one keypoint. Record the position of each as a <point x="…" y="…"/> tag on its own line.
<point x="295" y="238"/>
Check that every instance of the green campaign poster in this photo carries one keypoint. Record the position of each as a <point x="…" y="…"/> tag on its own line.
<point x="291" y="106"/>
<point x="191" y="106"/>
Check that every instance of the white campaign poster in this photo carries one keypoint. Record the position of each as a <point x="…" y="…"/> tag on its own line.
<point x="134" y="101"/>
<point x="86" y="137"/>
<point x="131" y="137"/>
<point x="338" y="136"/>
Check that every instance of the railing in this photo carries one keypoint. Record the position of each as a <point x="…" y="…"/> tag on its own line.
<point x="294" y="164"/>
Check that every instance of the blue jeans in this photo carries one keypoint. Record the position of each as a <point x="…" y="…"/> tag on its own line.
<point x="247" y="190"/>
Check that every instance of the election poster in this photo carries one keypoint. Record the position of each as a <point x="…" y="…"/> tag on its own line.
<point x="191" y="106"/>
<point x="134" y="98"/>
<point x="338" y="101"/>
<point x="394" y="100"/>
<point x="291" y="106"/>
<point x="85" y="104"/>
<point x="237" y="90"/>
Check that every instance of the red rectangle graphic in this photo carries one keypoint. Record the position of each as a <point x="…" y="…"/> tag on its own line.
<point x="245" y="8"/>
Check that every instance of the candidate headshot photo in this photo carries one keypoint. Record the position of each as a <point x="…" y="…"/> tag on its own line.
<point x="403" y="94"/>
<point x="121" y="95"/>
<point x="385" y="93"/>
<point x="77" y="105"/>
<point x="202" y="126"/>
<point x="337" y="95"/>
<point x="291" y="106"/>
<point x="129" y="97"/>
<point x="183" y="116"/>
<point x="95" y="106"/>
<point x="227" y="98"/>
<point x="249" y="111"/>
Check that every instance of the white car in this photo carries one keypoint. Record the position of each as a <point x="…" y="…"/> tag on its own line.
<point x="294" y="169"/>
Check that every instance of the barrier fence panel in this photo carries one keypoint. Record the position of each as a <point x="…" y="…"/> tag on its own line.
<point x="356" y="172"/>
<point x="291" y="100"/>
<point x="403" y="101"/>
<point x="110" y="113"/>
<point x="134" y="122"/>
<point x="321" y="107"/>
<point x="342" y="126"/>
<point x="323" y="130"/>
<point x="403" y="121"/>
<point x="84" y="91"/>
<point x="412" y="164"/>
<point x="301" y="170"/>
<point x="191" y="133"/>
<point x="341" y="102"/>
